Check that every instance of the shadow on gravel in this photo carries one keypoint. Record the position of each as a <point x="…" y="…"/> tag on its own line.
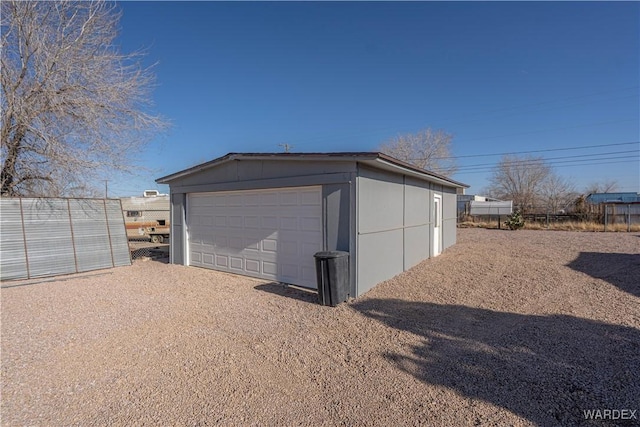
<point x="621" y="270"/>
<point x="289" y="291"/>
<point x="547" y="369"/>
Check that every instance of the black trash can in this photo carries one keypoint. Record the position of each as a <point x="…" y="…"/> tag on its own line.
<point x="332" y="268"/>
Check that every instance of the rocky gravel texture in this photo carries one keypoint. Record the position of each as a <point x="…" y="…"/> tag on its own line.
<point x="504" y="328"/>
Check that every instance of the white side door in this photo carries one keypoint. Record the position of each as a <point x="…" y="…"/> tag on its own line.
<point x="437" y="224"/>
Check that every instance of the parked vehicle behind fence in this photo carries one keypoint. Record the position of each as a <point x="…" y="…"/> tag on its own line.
<point x="147" y="217"/>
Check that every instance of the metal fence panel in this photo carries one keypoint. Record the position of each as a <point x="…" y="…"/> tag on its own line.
<point x="90" y="234"/>
<point x="12" y="249"/>
<point x="491" y="208"/>
<point x="48" y="236"/>
<point x="621" y="213"/>
<point x="118" y="233"/>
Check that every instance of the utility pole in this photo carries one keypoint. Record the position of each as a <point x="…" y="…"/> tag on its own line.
<point x="106" y="189"/>
<point x="287" y="147"/>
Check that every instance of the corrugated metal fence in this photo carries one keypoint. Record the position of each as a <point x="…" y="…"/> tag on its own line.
<point x="621" y="213"/>
<point x="47" y="237"/>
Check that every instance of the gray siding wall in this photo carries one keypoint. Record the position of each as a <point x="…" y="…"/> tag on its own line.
<point x="417" y="222"/>
<point x="449" y="217"/>
<point x="337" y="222"/>
<point x="395" y="224"/>
<point x="177" y="253"/>
<point x="380" y="230"/>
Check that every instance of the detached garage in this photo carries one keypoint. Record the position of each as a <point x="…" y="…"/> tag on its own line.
<point x="265" y="215"/>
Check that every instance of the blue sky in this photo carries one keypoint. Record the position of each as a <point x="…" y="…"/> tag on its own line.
<point x="347" y="76"/>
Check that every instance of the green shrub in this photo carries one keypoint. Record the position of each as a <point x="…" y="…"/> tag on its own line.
<point x="515" y="221"/>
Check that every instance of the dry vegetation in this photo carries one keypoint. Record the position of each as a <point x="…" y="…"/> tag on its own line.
<point x="556" y="226"/>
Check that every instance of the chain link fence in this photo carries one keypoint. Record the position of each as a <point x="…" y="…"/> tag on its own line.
<point x="146" y="251"/>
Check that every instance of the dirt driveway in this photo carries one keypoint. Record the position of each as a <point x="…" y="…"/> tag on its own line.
<point x="505" y="328"/>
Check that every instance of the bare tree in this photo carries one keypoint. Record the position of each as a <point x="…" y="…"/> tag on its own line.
<point x="427" y="149"/>
<point x="519" y="179"/>
<point x="557" y="193"/>
<point x="607" y="186"/>
<point x="73" y="106"/>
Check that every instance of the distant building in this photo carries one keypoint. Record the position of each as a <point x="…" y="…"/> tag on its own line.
<point x="464" y="203"/>
<point x="597" y="198"/>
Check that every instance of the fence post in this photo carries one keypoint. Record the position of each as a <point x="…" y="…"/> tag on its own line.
<point x="605" y="217"/>
<point x="73" y="237"/>
<point x="547" y="219"/>
<point x="106" y="218"/>
<point x="628" y="218"/>
<point x="24" y="239"/>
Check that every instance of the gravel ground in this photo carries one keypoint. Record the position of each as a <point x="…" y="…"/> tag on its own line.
<point x="504" y="328"/>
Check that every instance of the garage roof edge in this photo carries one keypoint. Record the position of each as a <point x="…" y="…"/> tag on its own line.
<point x="374" y="159"/>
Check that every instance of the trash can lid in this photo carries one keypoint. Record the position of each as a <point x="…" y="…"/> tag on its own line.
<point x="330" y="254"/>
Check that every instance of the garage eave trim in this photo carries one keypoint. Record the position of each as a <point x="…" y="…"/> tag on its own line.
<point x="374" y="159"/>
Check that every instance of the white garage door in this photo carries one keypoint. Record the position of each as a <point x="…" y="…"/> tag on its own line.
<point x="270" y="234"/>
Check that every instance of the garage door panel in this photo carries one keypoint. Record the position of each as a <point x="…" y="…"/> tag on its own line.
<point x="288" y="248"/>
<point x="236" y="263"/>
<point x="312" y="198"/>
<point x="289" y="199"/>
<point x="270" y="268"/>
<point x="235" y="243"/>
<point x="289" y="270"/>
<point x="251" y="244"/>
<point x="270" y="245"/>
<point x="308" y="249"/>
<point x="235" y="200"/>
<point x="269" y="199"/>
<point x="269" y="222"/>
<point x="252" y="265"/>
<point x="271" y="234"/>
<point x="251" y="222"/>
<point x="310" y="224"/>
<point x="234" y="221"/>
<point x="308" y="273"/>
<point x="288" y="223"/>
<point x="222" y="260"/>
<point x="221" y="241"/>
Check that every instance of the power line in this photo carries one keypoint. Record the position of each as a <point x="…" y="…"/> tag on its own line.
<point x="547" y="159"/>
<point x="535" y="151"/>
<point x="533" y="165"/>
<point x="565" y="166"/>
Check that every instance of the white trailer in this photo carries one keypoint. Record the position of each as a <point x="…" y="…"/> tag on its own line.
<point x="147" y="217"/>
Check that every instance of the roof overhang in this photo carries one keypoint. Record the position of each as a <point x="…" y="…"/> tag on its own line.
<point x="372" y="159"/>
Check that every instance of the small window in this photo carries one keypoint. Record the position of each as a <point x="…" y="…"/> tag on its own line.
<point x="134" y="214"/>
<point x="161" y="222"/>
